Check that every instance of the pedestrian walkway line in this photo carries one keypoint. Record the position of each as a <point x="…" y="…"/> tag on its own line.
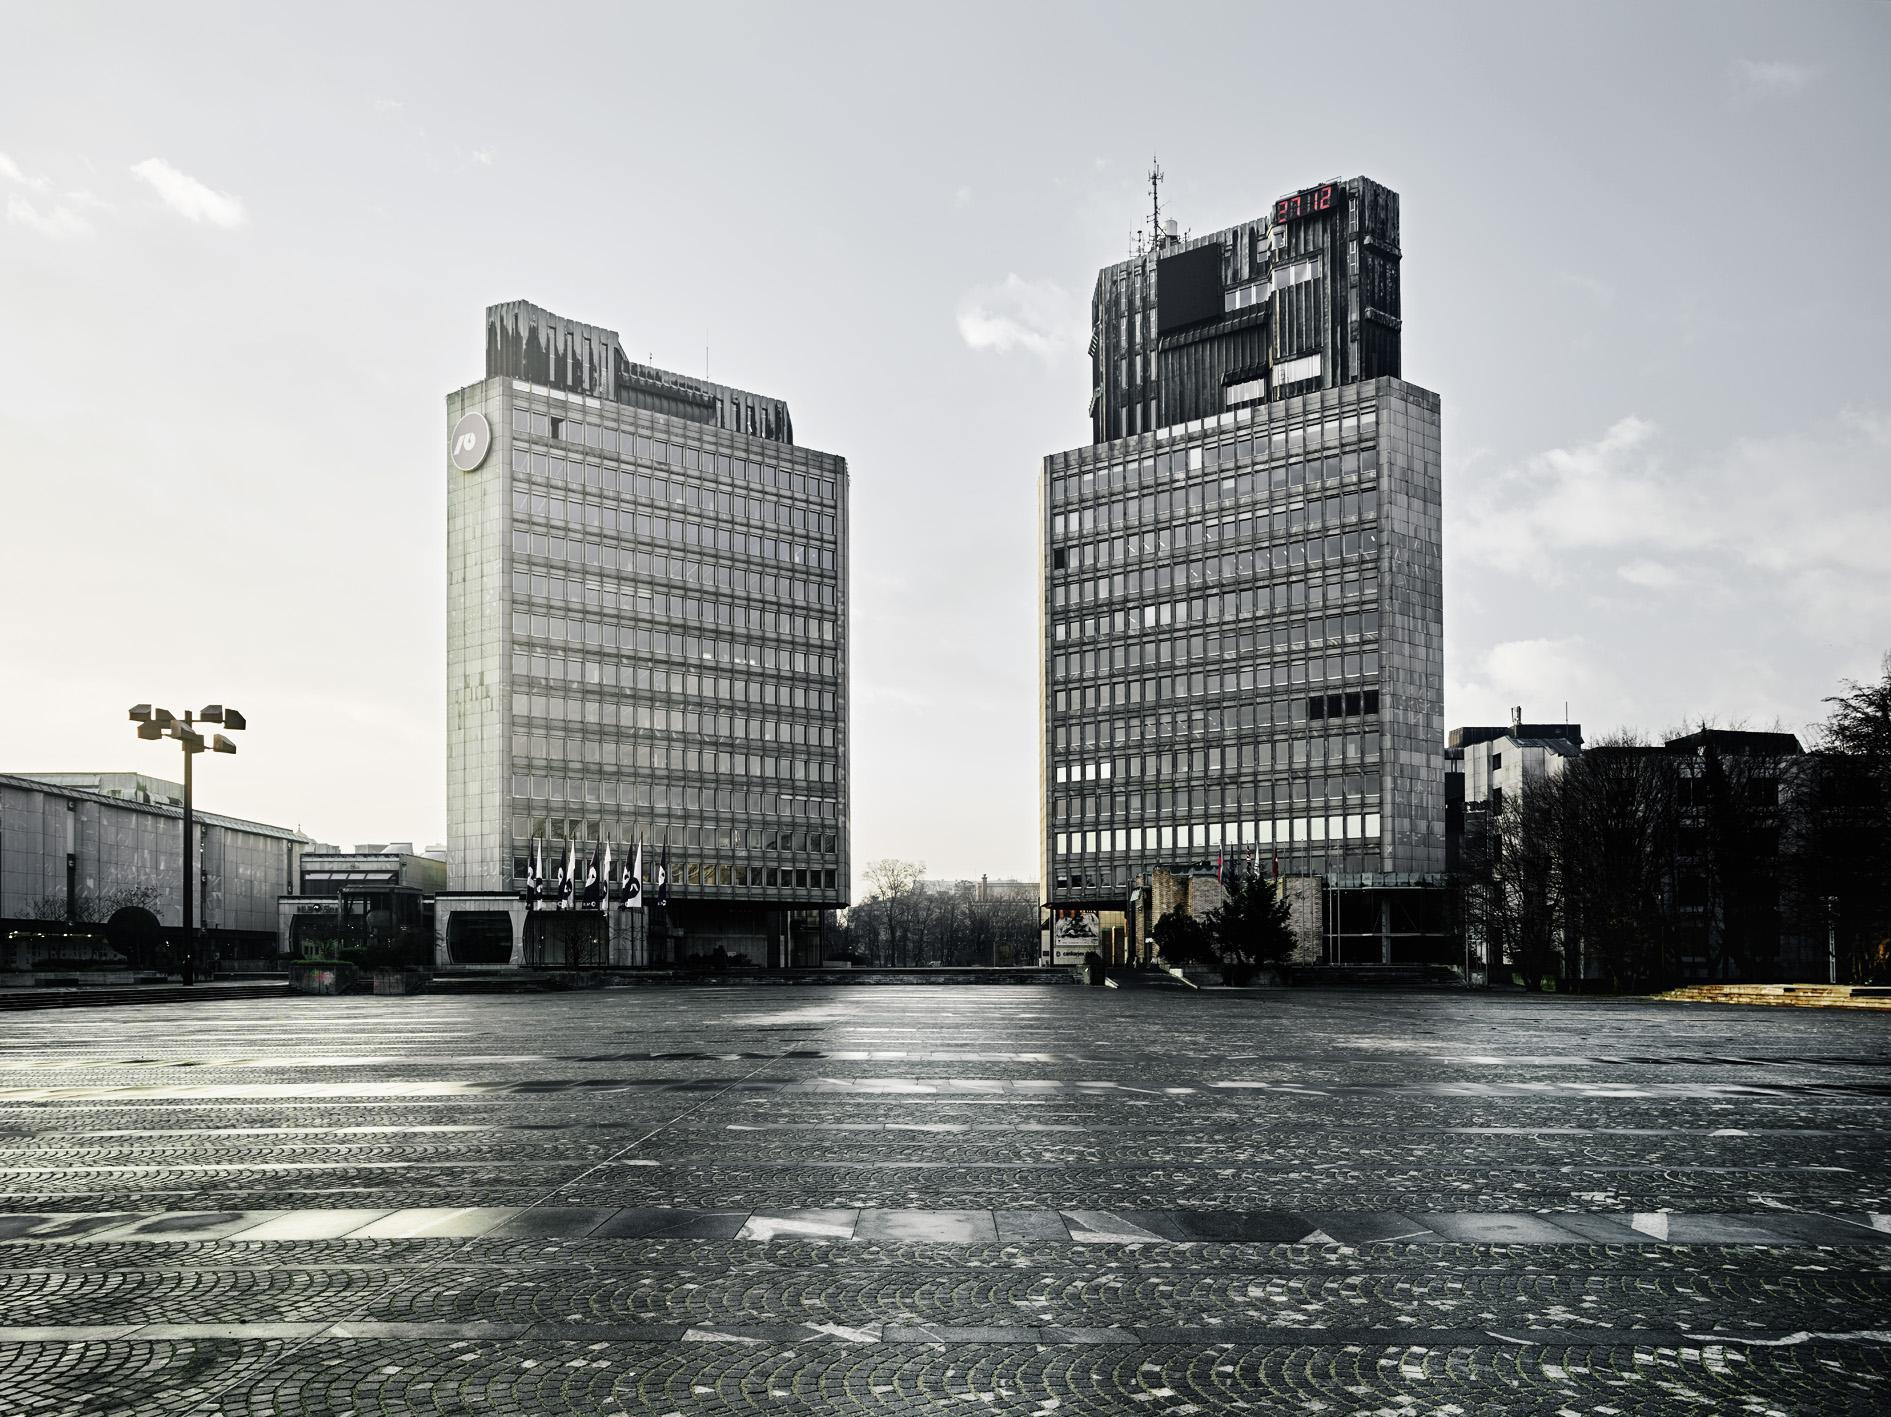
<point x="1220" y="1336"/>
<point x="36" y="1231"/>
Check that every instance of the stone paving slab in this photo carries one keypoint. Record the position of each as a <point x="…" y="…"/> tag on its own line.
<point x="1067" y="1200"/>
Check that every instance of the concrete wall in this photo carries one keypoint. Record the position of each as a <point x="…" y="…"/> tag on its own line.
<point x="1303" y="897"/>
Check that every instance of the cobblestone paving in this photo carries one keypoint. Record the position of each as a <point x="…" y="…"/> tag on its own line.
<point x="909" y="1199"/>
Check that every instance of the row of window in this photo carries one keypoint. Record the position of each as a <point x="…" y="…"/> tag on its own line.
<point x="550" y="514"/>
<point x="658" y="718"/>
<point x="1279" y="637"/>
<point x="609" y="750"/>
<point x="563" y="786"/>
<point x="713" y="874"/>
<point x="552" y="713"/>
<point x="1072" y="480"/>
<point x="532" y="823"/>
<point x="1209" y="570"/>
<point x="1338" y="826"/>
<point x="699" y="650"/>
<point x="698" y="836"/>
<point x="540" y="788"/>
<point x="1183" y="721"/>
<point x="626" y="753"/>
<point x="627" y="444"/>
<point x="1219" y="805"/>
<point x="542" y="700"/>
<point x="1315" y="514"/>
<point x="1278" y="598"/>
<point x="573" y="552"/>
<point x="644" y="602"/>
<point x="1347" y="705"/>
<point x="1282" y="639"/>
<point x="1206" y="492"/>
<point x="547" y="474"/>
<point x="1170" y="688"/>
<point x="1246" y="758"/>
<point x="1356" y="788"/>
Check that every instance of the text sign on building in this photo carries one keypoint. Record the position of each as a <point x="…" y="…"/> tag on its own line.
<point x="1074" y="934"/>
<point x="472" y="437"/>
<point x="1308" y="203"/>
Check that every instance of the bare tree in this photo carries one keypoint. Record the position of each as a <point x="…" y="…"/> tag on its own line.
<point x="895" y="884"/>
<point x="1614" y="823"/>
<point x="96" y="907"/>
<point x="900" y="921"/>
<point x="1838" y="851"/>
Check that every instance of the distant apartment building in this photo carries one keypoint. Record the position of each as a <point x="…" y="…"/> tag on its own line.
<point x="1242" y="603"/>
<point x="984" y="889"/>
<point x="1487" y="765"/>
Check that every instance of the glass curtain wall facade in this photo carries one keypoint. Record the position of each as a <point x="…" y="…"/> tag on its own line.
<point x="647" y="609"/>
<point x="1243" y="609"/>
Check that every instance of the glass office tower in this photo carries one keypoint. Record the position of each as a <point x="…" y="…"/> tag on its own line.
<point x="646" y="637"/>
<point x="1242" y="577"/>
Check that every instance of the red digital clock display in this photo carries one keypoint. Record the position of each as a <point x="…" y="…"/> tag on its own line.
<point x="1307" y="203"/>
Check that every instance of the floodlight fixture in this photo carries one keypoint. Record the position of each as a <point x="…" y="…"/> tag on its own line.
<point x="154" y="722"/>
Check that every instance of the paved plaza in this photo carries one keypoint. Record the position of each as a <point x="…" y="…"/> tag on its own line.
<point x="901" y="1199"/>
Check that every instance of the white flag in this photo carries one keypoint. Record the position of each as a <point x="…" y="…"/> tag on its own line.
<point x="633" y="882"/>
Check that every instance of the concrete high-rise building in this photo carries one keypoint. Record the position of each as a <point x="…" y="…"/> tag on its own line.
<point x="1242" y="598"/>
<point x="646" y="641"/>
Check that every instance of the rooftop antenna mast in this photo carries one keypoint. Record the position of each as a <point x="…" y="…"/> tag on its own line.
<point x="1155" y="203"/>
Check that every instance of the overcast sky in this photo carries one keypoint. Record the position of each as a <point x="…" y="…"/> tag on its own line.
<point x="246" y="251"/>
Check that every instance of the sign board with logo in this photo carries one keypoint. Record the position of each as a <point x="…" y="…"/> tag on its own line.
<point x="472" y="438"/>
<point x="1074" y="933"/>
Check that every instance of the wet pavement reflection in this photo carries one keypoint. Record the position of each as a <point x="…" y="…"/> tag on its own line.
<point x="890" y="1198"/>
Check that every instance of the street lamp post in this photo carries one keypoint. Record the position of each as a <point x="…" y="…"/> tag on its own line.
<point x="1831" y="939"/>
<point x="154" y="723"/>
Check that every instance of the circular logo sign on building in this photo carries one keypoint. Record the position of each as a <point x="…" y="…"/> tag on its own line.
<point x="472" y="436"/>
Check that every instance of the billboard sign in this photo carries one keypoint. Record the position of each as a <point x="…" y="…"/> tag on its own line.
<point x="1074" y="933"/>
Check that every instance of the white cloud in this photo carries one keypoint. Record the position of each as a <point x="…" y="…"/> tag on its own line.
<point x="1539" y="675"/>
<point x="1770" y="78"/>
<point x="1788" y="507"/>
<point x="961" y="198"/>
<point x="188" y="197"/>
<point x="11" y="171"/>
<point x="1653" y="575"/>
<point x="90" y="201"/>
<point x="1598" y="290"/>
<point x="58" y="222"/>
<point x="1039" y="316"/>
<point x="482" y="156"/>
<point x="1572" y="566"/>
